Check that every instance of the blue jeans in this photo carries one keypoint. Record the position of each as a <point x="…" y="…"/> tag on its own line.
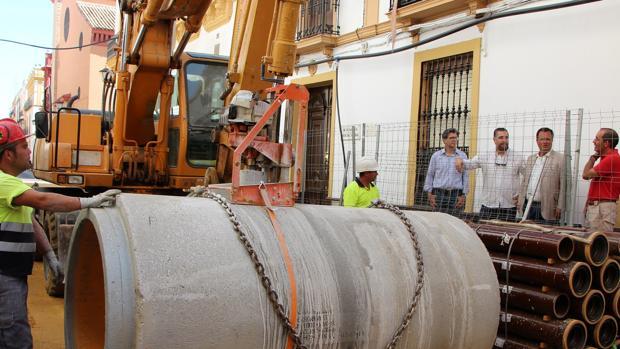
<point x="14" y="326"/>
<point x="446" y="200"/>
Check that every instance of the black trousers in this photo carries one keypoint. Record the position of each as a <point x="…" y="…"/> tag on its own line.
<point x="535" y="214"/>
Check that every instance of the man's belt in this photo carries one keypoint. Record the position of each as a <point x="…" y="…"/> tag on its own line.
<point x="596" y="202"/>
<point x="447" y="191"/>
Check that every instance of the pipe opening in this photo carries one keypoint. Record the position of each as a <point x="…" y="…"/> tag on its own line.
<point x="581" y="280"/>
<point x="566" y="248"/>
<point x="608" y="330"/>
<point x="576" y="336"/>
<point x="595" y="307"/>
<point x="561" y="305"/>
<point x="86" y="316"/>
<point x="599" y="250"/>
<point x="610" y="277"/>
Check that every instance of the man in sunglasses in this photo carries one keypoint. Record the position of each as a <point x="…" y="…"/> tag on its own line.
<point x="500" y="170"/>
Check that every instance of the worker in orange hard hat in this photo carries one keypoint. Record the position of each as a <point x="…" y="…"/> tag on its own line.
<point x="21" y="235"/>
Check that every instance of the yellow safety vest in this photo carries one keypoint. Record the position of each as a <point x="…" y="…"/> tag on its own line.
<point x="356" y="195"/>
<point x="17" y="243"/>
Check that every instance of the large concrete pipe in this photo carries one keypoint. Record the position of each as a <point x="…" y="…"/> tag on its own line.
<point x="170" y="272"/>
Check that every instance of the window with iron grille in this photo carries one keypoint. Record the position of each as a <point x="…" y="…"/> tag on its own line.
<point x="402" y="3"/>
<point x="318" y="17"/>
<point x="445" y="102"/>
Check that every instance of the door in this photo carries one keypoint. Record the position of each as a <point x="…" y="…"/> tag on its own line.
<point x="317" y="146"/>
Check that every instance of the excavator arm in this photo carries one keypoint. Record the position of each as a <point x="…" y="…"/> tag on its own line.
<point x="143" y="76"/>
<point x="263" y="53"/>
<point x="263" y="43"/>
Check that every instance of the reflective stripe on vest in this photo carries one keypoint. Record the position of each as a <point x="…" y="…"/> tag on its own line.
<point x="18" y="246"/>
<point x="16" y="227"/>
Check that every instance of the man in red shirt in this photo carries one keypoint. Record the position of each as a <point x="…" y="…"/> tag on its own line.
<point x="605" y="185"/>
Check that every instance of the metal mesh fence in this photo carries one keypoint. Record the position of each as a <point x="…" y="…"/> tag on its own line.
<point x="403" y="164"/>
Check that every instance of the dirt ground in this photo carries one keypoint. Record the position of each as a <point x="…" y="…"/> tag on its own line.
<point x="46" y="313"/>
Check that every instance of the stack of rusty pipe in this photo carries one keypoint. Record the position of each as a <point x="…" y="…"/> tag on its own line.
<point x="560" y="288"/>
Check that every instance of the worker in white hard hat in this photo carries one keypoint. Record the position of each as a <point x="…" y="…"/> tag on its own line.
<point x="363" y="191"/>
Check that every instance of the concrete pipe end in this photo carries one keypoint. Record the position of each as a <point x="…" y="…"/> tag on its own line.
<point x="85" y="298"/>
<point x="598" y="250"/>
<point x="566" y="249"/>
<point x="98" y="279"/>
<point x="616" y="303"/>
<point x="605" y="332"/>
<point x="575" y="335"/>
<point x="580" y="279"/>
<point x="593" y="307"/>
<point x="610" y="276"/>
<point x="561" y="305"/>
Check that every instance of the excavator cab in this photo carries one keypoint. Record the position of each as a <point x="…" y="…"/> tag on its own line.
<point x="73" y="147"/>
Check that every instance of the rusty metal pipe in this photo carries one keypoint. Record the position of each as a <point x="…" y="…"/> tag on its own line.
<point x="533" y="300"/>
<point x="594" y="252"/>
<point x="603" y="333"/>
<point x="612" y="303"/>
<point x="589" y="308"/>
<point x="565" y="334"/>
<point x="607" y="276"/>
<point x="529" y="243"/>
<point x="572" y="277"/>
<point x="513" y="342"/>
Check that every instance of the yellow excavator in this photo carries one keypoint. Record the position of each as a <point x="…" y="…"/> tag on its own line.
<point x="163" y="126"/>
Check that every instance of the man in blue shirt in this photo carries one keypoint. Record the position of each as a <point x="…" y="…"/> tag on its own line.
<point x="445" y="186"/>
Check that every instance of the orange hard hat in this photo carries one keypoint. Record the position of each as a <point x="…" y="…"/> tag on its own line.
<point x="10" y="132"/>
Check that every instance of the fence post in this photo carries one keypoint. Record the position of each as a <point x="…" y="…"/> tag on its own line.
<point x="576" y="170"/>
<point x="303" y="168"/>
<point x="353" y="150"/>
<point x="363" y="139"/>
<point x="344" y="177"/>
<point x="566" y="172"/>
<point x="378" y="137"/>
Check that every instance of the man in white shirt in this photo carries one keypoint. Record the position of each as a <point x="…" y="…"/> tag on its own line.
<point x="501" y="170"/>
<point x="543" y="182"/>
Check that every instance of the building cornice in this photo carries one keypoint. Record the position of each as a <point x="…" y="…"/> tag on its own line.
<point x="417" y="13"/>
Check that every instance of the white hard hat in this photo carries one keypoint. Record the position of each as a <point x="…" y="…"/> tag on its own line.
<point x="367" y="164"/>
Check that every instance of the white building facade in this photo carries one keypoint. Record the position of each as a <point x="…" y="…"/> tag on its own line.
<point x="557" y="68"/>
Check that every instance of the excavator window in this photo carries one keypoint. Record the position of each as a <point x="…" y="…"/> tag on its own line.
<point x="204" y="84"/>
<point x="174" y="102"/>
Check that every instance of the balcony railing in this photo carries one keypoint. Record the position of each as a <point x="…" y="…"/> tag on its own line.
<point x="402" y="3"/>
<point x="318" y="17"/>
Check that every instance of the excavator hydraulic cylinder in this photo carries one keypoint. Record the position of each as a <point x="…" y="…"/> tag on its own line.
<point x="171" y="272"/>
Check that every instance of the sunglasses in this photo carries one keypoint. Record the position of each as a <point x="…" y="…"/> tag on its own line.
<point x="504" y="163"/>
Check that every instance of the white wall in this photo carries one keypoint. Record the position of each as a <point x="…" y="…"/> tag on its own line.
<point x="222" y="36"/>
<point x="351" y="15"/>
<point x="549" y="60"/>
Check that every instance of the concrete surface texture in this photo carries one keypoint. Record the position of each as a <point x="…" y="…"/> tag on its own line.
<point x="165" y="272"/>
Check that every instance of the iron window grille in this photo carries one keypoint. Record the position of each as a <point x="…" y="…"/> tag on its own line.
<point x="318" y="17"/>
<point x="402" y="3"/>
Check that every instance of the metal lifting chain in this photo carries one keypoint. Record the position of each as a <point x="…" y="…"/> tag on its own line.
<point x="260" y="268"/>
<point x="420" y="266"/>
<point x="273" y="295"/>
